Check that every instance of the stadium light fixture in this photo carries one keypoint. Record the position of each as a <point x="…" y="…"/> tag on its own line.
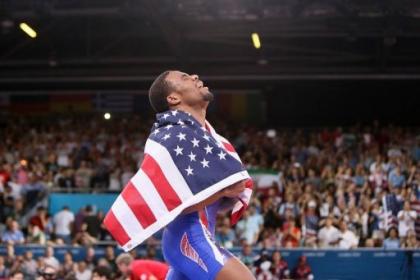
<point x="256" y="40"/>
<point x="107" y="116"/>
<point x="28" y="30"/>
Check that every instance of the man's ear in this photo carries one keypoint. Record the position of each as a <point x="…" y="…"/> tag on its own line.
<point x="173" y="99"/>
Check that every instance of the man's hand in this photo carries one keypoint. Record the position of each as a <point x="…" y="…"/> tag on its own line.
<point x="234" y="190"/>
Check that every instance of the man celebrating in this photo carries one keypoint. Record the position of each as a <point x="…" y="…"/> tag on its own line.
<point x="189" y="173"/>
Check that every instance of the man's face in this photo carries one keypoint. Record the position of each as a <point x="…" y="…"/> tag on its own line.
<point x="190" y="88"/>
<point x="329" y="222"/>
<point x="125" y="269"/>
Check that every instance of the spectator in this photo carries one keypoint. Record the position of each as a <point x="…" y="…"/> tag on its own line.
<point x="138" y="269"/>
<point x="68" y="265"/>
<point x="303" y="270"/>
<point x="93" y="224"/>
<point x="289" y="205"/>
<point x="411" y="241"/>
<point x="262" y="263"/>
<point x="291" y="234"/>
<point x="84" y="238"/>
<point x="102" y="273"/>
<point x="33" y="189"/>
<point x="4" y="270"/>
<point x="29" y="265"/>
<point x="347" y="239"/>
<point x="13" y="234"/>
<point x="249" y="226"/>
<point x="328" y="235"/>
<point x="406" y="219"/>
<point x="247" y="255"/>
<point x="310" y="222"/>
<point x="63" y="221"/>
<point x="83" y="175"/>
<point x="40" y="218"/>
<point x="90" y="258"/>
<point x="110" y="257"/>
<point x="225" y="235"/>
<point x="36" y="236"/>
<point x="263" y="271"/>
<point x="392" y="242"/>
<point x="396" y="179"/>
<point x="78" y="219"/>
<point x="279" y="267"/>
<point x="82" y="271"/>
<point x="49" y="258"/>
<point x="48" y="273"/>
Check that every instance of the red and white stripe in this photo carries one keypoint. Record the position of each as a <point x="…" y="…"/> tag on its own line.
<point x="155" y="196"/>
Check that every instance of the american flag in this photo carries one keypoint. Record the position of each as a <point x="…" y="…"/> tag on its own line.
<point x="184" y="164"/>
<point x="390" y="211"/>
<point x="415" y="205"/>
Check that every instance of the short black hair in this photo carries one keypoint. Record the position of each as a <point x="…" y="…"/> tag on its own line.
<point x="158" y="92"/>
<point x="103" y="271"/>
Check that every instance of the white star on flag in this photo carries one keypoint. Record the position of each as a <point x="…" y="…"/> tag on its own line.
<point x="181" y="136"/>
<point x="156" y="131"/>
<point x="165" y="116"/>
<point x="206" y="137"/>
<point x="169" y="126"/>
<point x="195" y="142"/>
<point x="181" y="123"/>
<point x="174" y="112"/>
<point x="208" y="149"/>
<point x="221" y="155"/>
<point x="178" y="150"/>
<point x="189" y="171"/>
<point x="205" y="163"/>
<point x="192" y="156"/>
<point x="167" y="136"/>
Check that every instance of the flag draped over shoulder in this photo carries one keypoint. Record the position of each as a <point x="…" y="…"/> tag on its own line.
<point x="184" y="164"/>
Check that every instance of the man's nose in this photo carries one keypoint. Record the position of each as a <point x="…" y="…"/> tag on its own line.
<point x="194" y="77"/>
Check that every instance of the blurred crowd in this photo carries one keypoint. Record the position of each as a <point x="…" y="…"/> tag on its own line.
<point x="358" y="187"/>
<point x="105" y="267"/>
<point x="334" y="188"/>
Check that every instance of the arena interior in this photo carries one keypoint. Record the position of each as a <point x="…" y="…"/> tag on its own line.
<point x="321" y="100"/>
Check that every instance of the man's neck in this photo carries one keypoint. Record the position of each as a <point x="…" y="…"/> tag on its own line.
<point x="198" y="114"/>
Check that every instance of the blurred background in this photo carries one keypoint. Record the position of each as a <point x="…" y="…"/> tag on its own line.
<point x="320" y="98"/>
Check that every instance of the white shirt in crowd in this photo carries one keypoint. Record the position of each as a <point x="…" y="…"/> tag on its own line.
<point x="348" y="240"/>
<point x="85" y="275"/>
<point x="62" y="221"/>
<point x="406" y="221"/>
<point x="326" y="235"/>
<point x="53" y="262"/>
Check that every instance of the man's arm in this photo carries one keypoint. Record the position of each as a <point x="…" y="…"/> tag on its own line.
<point x="232" y="191"/>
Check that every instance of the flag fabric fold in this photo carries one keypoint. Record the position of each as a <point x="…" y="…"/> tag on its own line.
<point x="184" y="164"/>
